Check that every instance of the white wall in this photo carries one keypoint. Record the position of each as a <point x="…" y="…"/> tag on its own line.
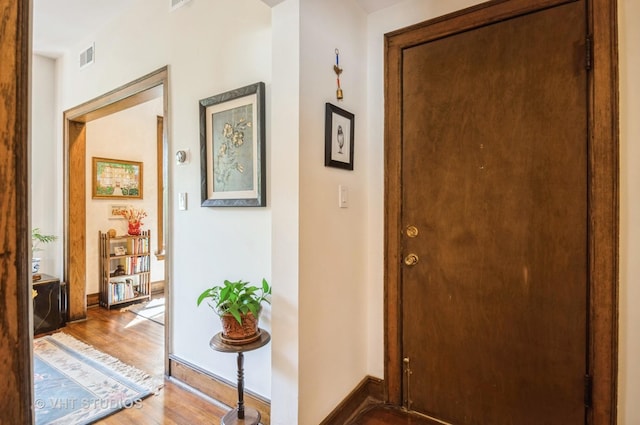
<point x="629" y="334"/>
<point x="129" y="135"/>
<point x="45" y="170"/>
<point x="284" y="199"/>
<point x="333" y="268"/>
<point x="210" y="48"/>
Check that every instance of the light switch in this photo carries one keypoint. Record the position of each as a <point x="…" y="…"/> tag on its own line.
<point x="343" y="196"/>
<point x="182" y="201"/>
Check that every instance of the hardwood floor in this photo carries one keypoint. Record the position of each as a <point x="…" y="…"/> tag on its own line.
<point x="140" y="343"/>
<point x="390" y="415"/>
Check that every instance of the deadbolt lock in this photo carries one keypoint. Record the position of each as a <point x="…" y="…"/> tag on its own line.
<point x="411" y="260"/>
<point x="412" y="231"/>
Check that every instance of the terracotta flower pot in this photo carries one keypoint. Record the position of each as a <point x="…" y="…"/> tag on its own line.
<point x="236" y="333"/>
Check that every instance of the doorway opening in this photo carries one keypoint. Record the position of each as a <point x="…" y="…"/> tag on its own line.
<point x="145" y="89"/>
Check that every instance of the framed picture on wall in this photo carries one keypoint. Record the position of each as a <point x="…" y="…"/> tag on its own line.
<point x="338" y="137"/>
<point x="116" y="211"/>
<point x="116" y="179"/>
<point x="232" y="148"/>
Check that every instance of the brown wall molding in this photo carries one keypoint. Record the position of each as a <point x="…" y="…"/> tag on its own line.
<point x="216" y="387"/>
<point x="369" y="391"/>
<point x="93" y="300"/>
<point x="157" y="287"/>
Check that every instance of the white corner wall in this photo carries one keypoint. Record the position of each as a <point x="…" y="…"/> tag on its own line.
<point x="333" y="263"/>
<point x="210" y="47"/>
<point x="45" y="163"/>
<point x="129" y="135"/>
<point x="284" y="121"/>
<point x="629" y="294"/>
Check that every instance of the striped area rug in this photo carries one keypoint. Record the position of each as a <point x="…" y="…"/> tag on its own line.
<point x="76" y="384"/>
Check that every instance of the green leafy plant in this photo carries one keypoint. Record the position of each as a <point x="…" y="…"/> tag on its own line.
<point x="237" y="298"/>
<point x="37" y="239"/>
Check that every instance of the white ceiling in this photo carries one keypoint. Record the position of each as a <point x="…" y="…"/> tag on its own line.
<point x="371" y="6"/>
<point x="60" y="24"/>
<point x="368" y="5"/>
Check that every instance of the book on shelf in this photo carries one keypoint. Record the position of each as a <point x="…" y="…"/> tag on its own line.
<point x="122" y="290"/>
<point x="138" y="246"/>
<point x="136" y="265"/>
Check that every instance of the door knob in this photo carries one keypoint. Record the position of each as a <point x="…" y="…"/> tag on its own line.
<point x="412" y="231"/>
<point x="411" y="260"/>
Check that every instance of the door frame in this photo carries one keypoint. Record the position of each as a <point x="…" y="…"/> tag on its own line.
<point x="603" y="208"/>
<point x="148" y="87"/>
<point x="16" y="318"/>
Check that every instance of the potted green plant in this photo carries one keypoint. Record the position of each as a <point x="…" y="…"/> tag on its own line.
<point x="37" y="239"/>
<point x="239" y="305"/>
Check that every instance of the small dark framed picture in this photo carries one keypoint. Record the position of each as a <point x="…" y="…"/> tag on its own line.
<point x="338" y="137"/>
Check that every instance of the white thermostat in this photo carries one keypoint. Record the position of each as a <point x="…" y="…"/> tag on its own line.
<point x="182" y="156"/>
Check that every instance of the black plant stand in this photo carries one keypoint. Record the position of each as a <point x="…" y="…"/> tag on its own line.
<point x="241" y="414"/>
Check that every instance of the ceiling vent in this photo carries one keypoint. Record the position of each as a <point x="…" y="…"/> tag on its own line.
<point x="88" y="56"/>
<point x="178" y="3"/>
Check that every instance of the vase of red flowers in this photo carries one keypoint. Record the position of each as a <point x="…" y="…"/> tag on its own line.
<point x="134" y="228"/>
<point x="134" y="217"/>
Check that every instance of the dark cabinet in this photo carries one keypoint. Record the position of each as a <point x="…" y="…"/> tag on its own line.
<point x="49" y="304"/>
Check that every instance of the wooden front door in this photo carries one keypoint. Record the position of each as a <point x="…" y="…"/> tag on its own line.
<point x="494" y="220"/>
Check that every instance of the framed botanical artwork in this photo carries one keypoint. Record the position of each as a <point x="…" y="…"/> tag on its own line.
<point x="232" y="148"/>
<point x="338" y="137"/>
<point x="117" y="211"/>
<point x="116" y="178"/>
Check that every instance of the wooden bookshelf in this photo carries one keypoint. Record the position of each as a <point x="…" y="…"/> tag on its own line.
<point x="125" y="269"/>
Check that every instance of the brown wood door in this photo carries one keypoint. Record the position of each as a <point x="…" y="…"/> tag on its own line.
<point x="494" y="179"/>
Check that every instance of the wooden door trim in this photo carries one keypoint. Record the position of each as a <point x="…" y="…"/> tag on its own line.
<point x="127" y="96"/>
<point x="466" y="19"/>
<point x="76" y="218"/>
<point x="134" y="93"/>
<point x="604" y="214"/>
<point x="16" y="321"/>
<point x="603" y="187"/>
<point x="160" y="144"/>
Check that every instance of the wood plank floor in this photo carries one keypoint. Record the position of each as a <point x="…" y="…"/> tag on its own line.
<point x="390" y="415"/>
<point x="140" y="343"/>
